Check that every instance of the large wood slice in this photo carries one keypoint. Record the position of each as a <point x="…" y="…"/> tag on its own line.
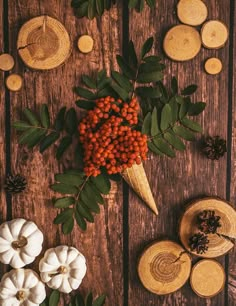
<point x="164" y="267"/>
<point x="214" y="34"/>
<point x="207" y="278"/>
<point x="217" y="245"/>
<point x="182" y="43"/>
<point x="192" y="12"/>
<point x="43" y="43"/>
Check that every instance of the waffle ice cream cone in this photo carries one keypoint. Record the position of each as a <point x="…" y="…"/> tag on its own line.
<point x="137" y="179"/>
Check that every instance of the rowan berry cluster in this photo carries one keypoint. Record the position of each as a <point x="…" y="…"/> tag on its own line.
<point x="109" y="137"/>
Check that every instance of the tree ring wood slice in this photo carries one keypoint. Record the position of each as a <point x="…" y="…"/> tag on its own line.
<point x="207" y="278"/>
<point x="217" y="246"/>
<point x="164" y="267"/>
<point x="85" y="44"/>
<point x="214" y="34"/>
<point x="6" y="62"/>
<point x="14" y="82"/>
<point x="192" y="12"/>
<point x="43" y="43"/>
<point x="213" y="65"/>
<point x="182" y="43"/>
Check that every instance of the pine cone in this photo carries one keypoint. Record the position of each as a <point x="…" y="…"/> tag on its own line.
<point x="15" y="183"/>
<point x="208" y="222"/>
<point x="198" y="242"/>
<point x="214" y="147"/>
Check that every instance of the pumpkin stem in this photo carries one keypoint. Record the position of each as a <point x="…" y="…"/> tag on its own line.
<point x="20" y="295"/>
<point x="20" y="243"/>
<point x="62" y="270"/>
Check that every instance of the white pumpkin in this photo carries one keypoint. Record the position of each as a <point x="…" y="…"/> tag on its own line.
<point x="20" y="242"/>
<point x="21" y="287"/>
<point x="62" y="268"/>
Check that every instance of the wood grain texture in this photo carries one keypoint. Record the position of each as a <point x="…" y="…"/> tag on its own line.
<point x="102" y="242"/>
<point x="232" y="255"/>
<point x="3" y="204"/>
<point x="190" y="175"/>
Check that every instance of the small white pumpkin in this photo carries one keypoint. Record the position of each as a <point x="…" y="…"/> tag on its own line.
<point x="21" y="287"/>
<point x="20" y="242"/>
<point x="62" y="268"/>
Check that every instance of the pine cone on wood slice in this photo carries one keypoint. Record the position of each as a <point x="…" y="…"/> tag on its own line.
<point x="199" y="243"/>
<point x="208" y="222"/>
<point x="15" y="183"/>
<point x="137" y="179"/>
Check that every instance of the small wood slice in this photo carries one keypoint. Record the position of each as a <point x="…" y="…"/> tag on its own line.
<point x="43" y="43"/>
<point x="192" y="12"/>
<point x="164" y="267"/>
<point x="207" y="278"/>
<point x="14" y="82"/>
<point x="217" y="246"/>
<point x="6" y="62"/>
<point x="213" y="65"/>
<point x="214" y="34"/>
<point x="85" y="44"/>
<point x="182" y="43"/>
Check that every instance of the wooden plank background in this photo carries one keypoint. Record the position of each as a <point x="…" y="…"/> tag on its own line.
<point x="113" y="244"/>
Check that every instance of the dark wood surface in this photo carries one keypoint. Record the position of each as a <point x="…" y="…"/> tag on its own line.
<point x="125" y="226"/>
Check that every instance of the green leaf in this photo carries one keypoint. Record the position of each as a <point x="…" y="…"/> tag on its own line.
<point x="64" y="189"/>
<point x="146" y="127"/>
<point x="89" y="82"/>
<point x="194" y="126"/>
<point x="151" y="3"/>
<point x="166" y="117"/>
<point x="163" y="147"/>
<point x="48" y="141"/>
<point x="21" y="125"/>
<point x="154" y="125"/>
<point x="63" y="146"/>
<point x="164" y="94"/>
<point x="133" y="61"/>
<point x="68" y="226"/>
<point x="189" y="90"/>
<point x="89" y="201"/>
<point x="85" y="104"/>
<point x="151" y="67"/>
<point x="71" y="121"/>
<point x="30" y="116"/>
<point x="183" y="109"/>
<point x="152" y="58"/>
<point x="80" y="221"/>
<point x="100" y="7"/>
<point x="148" y="77"/>
<point x="123" y="94"/>
<point x="35" y="138"/>
<point x="148" y="92"/>
<point x="91" y="9"/>
<point x="92" y="190"/>
<point x="100" y="300"/>
<point x="85" y="93"/>
<point x="147" y="46"/>
<point x="104" y="83"/>
<point x="69" y="179"/>
<point x="174" y="109"/>
<point x="44" y="116"/>
<point x="27" y="135"/>
<point x="183" y="133"/>
<point x="84" y="212"/>
<point x="174" y="86"/>
<point x="102" y="182"/>
<point x="172" y="139"/>
<point x="179" y="99"/>
<point x="59" y="122"/>
<point x="126" y="69"/>
<point x="122" y="80"/>
<point x="54" y="298"/>
<point x="64" y="216"/>
<point x="133" y="3"/>
<point x="196" y="108"/>
<point x="89" y="299"/>
<point x="64" y="202"/>
<point x="101" y="75"/>
<point x="154" y="149"/>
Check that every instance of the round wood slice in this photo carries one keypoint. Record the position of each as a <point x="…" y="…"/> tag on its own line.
<point x="207" y="278"/>
<point x="214" y="34"/>
<point x="164" y="267"/>
<point x="192" y="12"/>
<point x="217" y="245"/>
<point x="43" y="43"/>
<point x="182" y="43"/>
<point x="85" y="44"/>
<point x="6" y="62"/>
<point x="213" y="65"/>
<point x="14" y="82"/>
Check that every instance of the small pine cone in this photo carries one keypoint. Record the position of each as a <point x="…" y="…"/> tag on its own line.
<point x="15" y="183"/>
<point x="214" y="147"/>
<point x="198" y="242"/>
<point x="208" y="222"/>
